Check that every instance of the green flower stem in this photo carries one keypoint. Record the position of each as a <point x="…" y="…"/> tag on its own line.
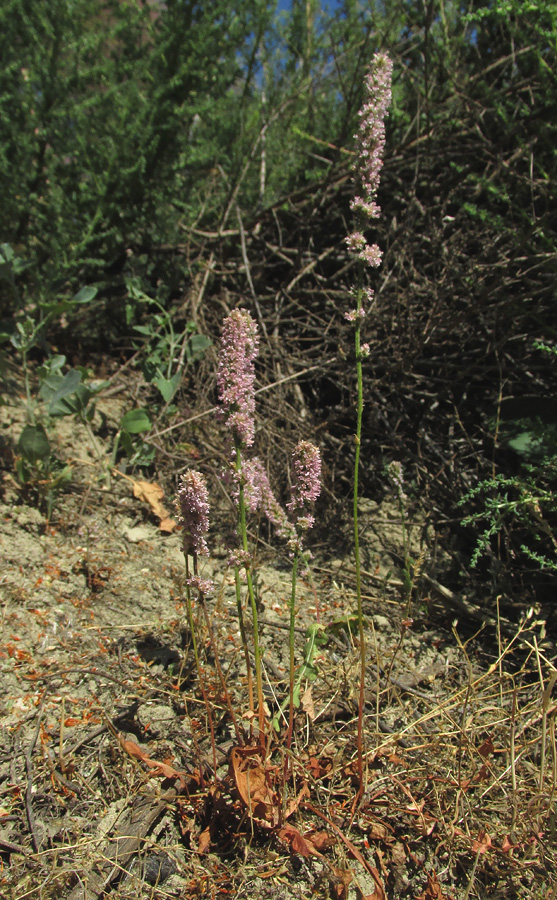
<point x="197" y="661"/>
<point x="243" y="635"/>
<point x="245" y="547"/>
<point x="292" y="622"/>
<point x="189" y="611"/>
<point x="30" y="404"/>
<point x="361" y="634"/>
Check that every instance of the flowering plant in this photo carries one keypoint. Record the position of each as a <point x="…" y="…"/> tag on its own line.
<point x="367" y="169"/>
<point x="239" y="347"/>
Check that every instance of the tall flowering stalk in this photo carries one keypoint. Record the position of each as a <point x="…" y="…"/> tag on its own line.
<point x="235" y="380"/>
<point x="306" y="487"/>
<point x="367" y="169"/>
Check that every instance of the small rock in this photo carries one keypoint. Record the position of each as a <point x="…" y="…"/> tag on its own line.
<point x="139" y="533"/>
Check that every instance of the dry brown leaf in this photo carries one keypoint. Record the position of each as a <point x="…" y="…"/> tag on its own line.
<point x="320" y="767"/>
<point x="507" y="846"/>
<point x="487" y="748"/>
<point x="396" y="760"/>
<point x="302" y="844"/>
<point x="378" y="832"/>
<point x="321" y="840"/>
<point x="167" y="525"/>
<point x="482" y="843"/>
<point x="380" y="858"/>
<point x="204" y="841"/>
<point x="307" y="703"/>
<point x="163" y="769"/>
<point x="151" y="493"/>
<point x="397" y="853"/>
<point x="253" y="783"/>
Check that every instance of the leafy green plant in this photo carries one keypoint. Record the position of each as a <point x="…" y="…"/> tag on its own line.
<point x="98" y="107"/>
<point x="27" y="329"/>
<point x="165" y="351"/>
<point x="525" y="503"/>
<point x="38" y="468"/>
<point x="68" y="392"/>
<point x="37" y="465"/>
<point x="69" y="395"/>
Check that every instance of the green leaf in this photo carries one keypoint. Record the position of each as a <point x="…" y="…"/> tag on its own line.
<point x="33" y="443"/>
<point x="6" y="253"/>
<point x="144" y="329"/>
<point x="72" y="404"/>
<point x="135" y="421"/>
<point x="85" y="295"/>
<point x="22" y="471"/>
<point x="66" y="395"/>
<point x="126" y="443"/>
<point x="168" y="386"/>
<point x="52" y="366"/>
<point x="196" y="346"/>
<point x="524" y="443"/>
<point x="134" y="289"/>
<point x="57" y="386"/>
<point x="8" y="260"/>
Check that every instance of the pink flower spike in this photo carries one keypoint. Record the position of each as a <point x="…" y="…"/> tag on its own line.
<point x="370" y="144"/>
<point x="371" y="134"/>
<point x="236" y="374"/>
<point x="306" y="485"/>
<point x="192" y="504"/>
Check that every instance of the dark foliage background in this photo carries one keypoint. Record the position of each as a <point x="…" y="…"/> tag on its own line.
<point x="205" y="150"/>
